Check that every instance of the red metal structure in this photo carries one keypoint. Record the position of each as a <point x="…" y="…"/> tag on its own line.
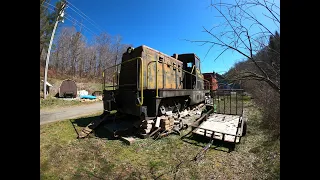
<point x="68" y="88"/>
<point x="211" y="77"/>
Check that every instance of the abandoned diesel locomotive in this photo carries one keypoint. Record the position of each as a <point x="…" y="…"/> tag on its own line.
<point x="151" y="83"/>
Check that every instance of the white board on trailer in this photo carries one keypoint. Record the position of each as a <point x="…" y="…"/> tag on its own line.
<point x="221" y="124"/>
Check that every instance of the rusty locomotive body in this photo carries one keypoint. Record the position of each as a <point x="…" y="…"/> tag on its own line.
<point x="152" y="83"/>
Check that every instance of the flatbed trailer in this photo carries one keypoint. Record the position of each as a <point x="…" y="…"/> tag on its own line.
<point x="224" y="118"/>
<point x="222" y="127"/>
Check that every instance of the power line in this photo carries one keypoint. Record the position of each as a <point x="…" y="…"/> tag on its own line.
<point x="77" y="22"/>
<point x="74" y="21"/>
<point x="84" y="14"/>
<point x="85" y="18"/>
<point x="49" y="4"/>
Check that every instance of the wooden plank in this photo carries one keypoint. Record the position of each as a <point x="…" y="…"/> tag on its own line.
<point x="157" y="122"/>
<point x="147" y="122"/>
<point x="158" y="129"/>
<point x="165" y="122"/>
<point x="128" y="140"/>
<point x="146" y="131"/>
<point x="217" y="135"/>
<point x="146" y="126"/>
<point x="221" y="123"/>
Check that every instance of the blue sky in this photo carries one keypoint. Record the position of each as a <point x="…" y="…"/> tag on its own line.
<point x="162" y="25"/>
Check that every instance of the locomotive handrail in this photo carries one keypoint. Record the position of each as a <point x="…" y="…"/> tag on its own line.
<point x="141" y="77"/>
<point x="157" y="79"/>
<point x="115" y="66"/>
<point x="192" y="68"/>
<point x="141" y="82"/>
<point x="156" y="76"/>
<point x="195" y="75"/>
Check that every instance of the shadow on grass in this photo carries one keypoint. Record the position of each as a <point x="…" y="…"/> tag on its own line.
<point x="83" y="122"/>
<point x="99" y="132"/>
<point x="110" y="129"/>
<point x="198" y="140"/>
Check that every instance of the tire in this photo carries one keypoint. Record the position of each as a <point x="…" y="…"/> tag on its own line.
<point x="232" y="147"/>
<point x="244" y="128"/>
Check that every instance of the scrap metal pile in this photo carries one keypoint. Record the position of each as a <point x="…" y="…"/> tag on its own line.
<point x="171" y="122"/>
<point x="157" y="128"/>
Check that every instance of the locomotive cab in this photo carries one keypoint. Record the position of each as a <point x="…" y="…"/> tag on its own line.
<point x="191" y="64"/>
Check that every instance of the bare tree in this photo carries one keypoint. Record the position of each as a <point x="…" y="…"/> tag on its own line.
<point x="117" y="50"/>
<point x="103" y="43"/>
<point x="62" y="54"/>
<point x="77" y="46"/>
<point x="82" y="58"/>
<point x="74" y="56"/>
<point x="92" y="60"/>
<point x="244" y="32"/>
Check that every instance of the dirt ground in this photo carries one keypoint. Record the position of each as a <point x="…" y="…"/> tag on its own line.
<point x="56" y="114"/>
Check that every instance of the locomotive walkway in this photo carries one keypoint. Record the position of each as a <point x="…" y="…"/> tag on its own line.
<point x="58" y="114"/>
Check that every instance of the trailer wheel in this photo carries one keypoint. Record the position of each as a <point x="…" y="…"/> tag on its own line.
<point x="232" y="147"/>
<point x="244" y="129"/>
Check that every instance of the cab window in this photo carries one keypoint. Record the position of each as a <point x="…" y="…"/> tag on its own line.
<point x="197" y="63"/>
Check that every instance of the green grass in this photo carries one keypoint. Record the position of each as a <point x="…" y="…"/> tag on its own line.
<point x="62" y="156"/>
<point x="246" y="98"/>
<point x="52" y="102"/>
<point x="262" y="144"/>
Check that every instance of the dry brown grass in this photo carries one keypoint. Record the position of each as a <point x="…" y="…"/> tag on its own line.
<point x="268" y="100"/>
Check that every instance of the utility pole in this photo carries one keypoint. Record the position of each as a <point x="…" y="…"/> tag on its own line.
<point x="116" y="69"/>
<point x="61" y="14"/>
